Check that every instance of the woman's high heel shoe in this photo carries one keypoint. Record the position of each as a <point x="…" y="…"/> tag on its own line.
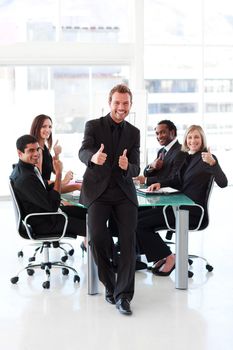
<point x="161" y="273"/>
<point x="84" y="248"/>
<point x="157" y="266"/>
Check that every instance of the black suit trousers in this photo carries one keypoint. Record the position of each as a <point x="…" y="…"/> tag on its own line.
<point x="113" y="201"/>
<point x="76" y="220"/>
<point x="149" y="241"/>
<point x="76" y="223"/>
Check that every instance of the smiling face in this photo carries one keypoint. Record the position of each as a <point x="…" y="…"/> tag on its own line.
<point x="31" y="153"/>
<point x="164" y="135"/>
<point x="194" y="141"/>
<point x="46" y="129"/>
<point x="120" y="105"/>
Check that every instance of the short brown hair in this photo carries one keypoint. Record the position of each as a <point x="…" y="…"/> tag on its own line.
<point x="122" y="89"/>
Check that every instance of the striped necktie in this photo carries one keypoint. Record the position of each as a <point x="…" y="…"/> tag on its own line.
<point x="162" y="153"/>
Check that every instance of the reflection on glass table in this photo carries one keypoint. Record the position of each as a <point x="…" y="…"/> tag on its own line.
<point x="181" y="215"/>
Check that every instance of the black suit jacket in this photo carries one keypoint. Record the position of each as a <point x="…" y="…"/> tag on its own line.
<point x="192" y="179"/>
<point x="33" y="196"/>
<point x="97" y="177"/>
<point x="171" y="165"/>
<point x="194" y="175"/>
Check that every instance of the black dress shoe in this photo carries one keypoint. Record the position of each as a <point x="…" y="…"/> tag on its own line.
<point x="140" y="265"/>
<point x="123" y="305"/>
<point x="109" y="297"/>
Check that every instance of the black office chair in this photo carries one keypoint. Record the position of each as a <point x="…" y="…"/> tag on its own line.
<point x="202" y="224"/>
<point x="45" y="243"/>
<point x="61" y="245"/>
<point x="67" y="252"/>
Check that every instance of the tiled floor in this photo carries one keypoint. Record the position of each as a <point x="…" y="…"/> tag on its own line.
<point x="65" y="317"/>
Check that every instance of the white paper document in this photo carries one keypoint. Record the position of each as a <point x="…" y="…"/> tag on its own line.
<point x="163" y="190"/>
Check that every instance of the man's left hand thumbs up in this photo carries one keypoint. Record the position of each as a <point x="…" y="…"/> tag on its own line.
<point x="123" y="160"/>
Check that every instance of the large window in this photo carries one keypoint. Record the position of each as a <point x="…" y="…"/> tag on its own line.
<point x="69" y="95"/>
<point x="188" y="70"/>
<point x="61" y="57"/>
<point x="87" y="21"/>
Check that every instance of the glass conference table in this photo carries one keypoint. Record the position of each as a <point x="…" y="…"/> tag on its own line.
<point x="175" y="200"/>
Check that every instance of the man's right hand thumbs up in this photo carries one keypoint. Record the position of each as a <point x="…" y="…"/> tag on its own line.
<point x="99" y="157"/>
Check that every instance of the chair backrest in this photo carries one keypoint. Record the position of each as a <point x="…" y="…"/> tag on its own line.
<point x="24" y="228"/>
<point x="205" y="220"/>
<point x="20" y="227"/>
<point x="204" y="213"/>
<point x="16" y="208"/>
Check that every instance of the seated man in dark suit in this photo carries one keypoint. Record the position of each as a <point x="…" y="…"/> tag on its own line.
<point x="166" y="164"/>
<point x="36" y="196"/>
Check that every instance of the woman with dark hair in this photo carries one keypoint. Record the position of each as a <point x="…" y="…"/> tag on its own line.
<point x="193" y="178"/>
<point x="41" y="129"/>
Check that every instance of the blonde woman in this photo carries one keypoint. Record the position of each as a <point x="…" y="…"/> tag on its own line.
<point x="198" y="166"/>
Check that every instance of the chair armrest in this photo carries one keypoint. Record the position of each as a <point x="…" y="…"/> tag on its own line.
<point x="166" y="219"/>
<point x="173" y="228"/>
<point x="201" y="218"/>
<point x="61" y="213"/>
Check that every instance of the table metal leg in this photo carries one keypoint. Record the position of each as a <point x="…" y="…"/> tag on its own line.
<point x="92" y="273"/>
<point x="182" y="224"/>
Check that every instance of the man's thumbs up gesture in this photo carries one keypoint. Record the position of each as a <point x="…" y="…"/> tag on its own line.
<point x="99" y="157"/>
<point x="208" y="158"/>
<point x="123" y="161"/>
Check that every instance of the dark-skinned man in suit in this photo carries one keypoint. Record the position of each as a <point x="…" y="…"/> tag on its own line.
<point x="166" y="163"/>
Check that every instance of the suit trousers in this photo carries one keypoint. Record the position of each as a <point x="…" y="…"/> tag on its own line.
<point x="149" y="241"/>
<point x="113" y="201"/>
<point x="76" y="223"/>
<point x="76" y="220"/>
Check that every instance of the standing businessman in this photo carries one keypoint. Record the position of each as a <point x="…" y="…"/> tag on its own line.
<point x="110" y="150"/>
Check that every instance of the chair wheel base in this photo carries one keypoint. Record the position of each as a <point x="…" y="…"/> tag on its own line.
<point x="209" y="268"/>
<point x="76" y="279"/>
<point x="14" y="280"/>
<point x="65" y="271"/>
<point x="71" y="252"/>
<point x="20" y="254"/>
<point x="30" y="272"/>
<point x="190" y="261"/>
<point x="190" y="274"/>
<point x="46" y="285"/>
<point x="32" y="259"/>
<point x="64" y="258"/>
